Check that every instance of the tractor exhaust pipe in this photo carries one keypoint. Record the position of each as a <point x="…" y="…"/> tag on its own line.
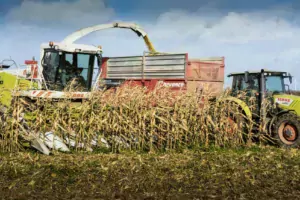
<point x="262" y="97"/>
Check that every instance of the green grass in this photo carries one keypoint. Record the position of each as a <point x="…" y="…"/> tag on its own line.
<point x="208" y="173"/>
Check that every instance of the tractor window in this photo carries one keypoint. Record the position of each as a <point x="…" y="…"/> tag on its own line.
<point x="239" y="83"/>
<point x="253" y="83"/>
<point x="274" y="83"/>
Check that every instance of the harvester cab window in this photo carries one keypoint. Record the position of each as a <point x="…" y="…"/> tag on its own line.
<point x="50" y="63"/>
<point x="85" y="68"/>
<point x="61" y="69"/>
<point x="69" y="58"/>
<point x="78" y="69"/>
<point x="68" y="68"/>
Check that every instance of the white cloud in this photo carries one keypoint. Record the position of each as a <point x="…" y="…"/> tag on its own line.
<point x="61" y="12"/>
<point x="261" y="39"/>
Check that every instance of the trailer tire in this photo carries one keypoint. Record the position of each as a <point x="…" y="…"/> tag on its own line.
<point x="286" y="130"/>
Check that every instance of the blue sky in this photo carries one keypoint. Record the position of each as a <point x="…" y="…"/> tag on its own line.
<point x="131" y="5"/>
<point x="153" y="8"/>
<point x="250" y="34"/>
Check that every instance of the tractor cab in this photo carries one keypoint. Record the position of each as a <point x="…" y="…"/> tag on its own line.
<point x="256" y="86"/>
<point x="69" y="64"/>
<point x="280" y="116"/>
<point x="270" y="82"/>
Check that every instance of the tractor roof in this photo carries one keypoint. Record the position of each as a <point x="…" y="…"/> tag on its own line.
<point x="80" y="48"/>
<point x="258" y="72"/>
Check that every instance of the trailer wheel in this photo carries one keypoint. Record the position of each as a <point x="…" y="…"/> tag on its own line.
<point x="286" y="131"/>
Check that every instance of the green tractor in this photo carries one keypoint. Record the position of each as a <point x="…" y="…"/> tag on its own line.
<point x="276" y="108"/>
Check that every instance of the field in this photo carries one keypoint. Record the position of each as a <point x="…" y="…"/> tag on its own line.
<point x="214" y="173"/>
<point x="160" y="146"/>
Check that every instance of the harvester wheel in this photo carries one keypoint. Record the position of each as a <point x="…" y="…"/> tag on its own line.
<point x="286" y="131"/>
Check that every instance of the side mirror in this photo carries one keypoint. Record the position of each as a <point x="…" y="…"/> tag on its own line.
<point x="290" y="78"/>
<point x="4" y="66"/>
<point x="99" y="60"/>
<point x="288" y="87"/>
<point x="246" y="76"/>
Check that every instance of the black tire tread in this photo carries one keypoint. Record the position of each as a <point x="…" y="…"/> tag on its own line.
<point x="293" y="118"/>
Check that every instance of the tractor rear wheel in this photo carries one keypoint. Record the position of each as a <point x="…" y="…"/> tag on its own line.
<point x="237" y="121"/>
<point x="286" y="131"/>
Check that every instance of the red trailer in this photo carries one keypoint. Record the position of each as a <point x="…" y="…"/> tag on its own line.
<point x="176" y="71"/>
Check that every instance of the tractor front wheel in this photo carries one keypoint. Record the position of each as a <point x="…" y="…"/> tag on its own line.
<point x="286" y="131"/>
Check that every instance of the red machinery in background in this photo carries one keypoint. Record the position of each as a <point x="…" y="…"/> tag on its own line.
<point x="175" y="71"/>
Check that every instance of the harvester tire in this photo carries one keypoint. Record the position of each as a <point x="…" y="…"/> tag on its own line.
<point x="286" y="131"/>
